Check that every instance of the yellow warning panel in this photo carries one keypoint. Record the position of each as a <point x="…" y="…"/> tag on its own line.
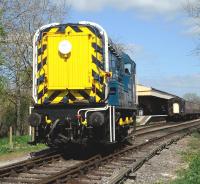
<point x="69" y="61"/>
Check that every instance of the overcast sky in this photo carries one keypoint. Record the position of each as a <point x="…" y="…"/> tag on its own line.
<point x="161" y="34"/>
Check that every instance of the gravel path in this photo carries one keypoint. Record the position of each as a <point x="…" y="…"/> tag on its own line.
<point x="162" y="168"/>
<point x="14" y="159"/>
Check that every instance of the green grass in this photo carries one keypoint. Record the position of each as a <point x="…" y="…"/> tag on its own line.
<point x="19" y="145"/>
<point x="191" y="175"/>
<point x="159" y="182"/>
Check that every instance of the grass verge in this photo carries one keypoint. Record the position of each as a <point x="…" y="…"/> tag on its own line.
<point x="190" y="175"/>
<point x="20" y="147"/>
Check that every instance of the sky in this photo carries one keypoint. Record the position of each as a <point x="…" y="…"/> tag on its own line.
<point x="160" y="34"/>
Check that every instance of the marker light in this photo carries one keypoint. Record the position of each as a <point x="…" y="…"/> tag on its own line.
<point x="65" y="47"/>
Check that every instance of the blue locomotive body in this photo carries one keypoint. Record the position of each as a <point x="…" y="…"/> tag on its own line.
<point x="122" y="83"/>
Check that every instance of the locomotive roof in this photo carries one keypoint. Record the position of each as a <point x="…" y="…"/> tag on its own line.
<point x="117" y="50"/>
<point x="127" y="59"/>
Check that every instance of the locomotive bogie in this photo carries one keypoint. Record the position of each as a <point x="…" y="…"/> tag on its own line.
<point x="61" y="124"/>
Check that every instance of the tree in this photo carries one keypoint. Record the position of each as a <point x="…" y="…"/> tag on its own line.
<point x="193" y="97"/>
<point x="193" y="10"/>
<point x="20" y="20"/>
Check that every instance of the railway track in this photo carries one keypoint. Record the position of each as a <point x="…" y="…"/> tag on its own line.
<point x="159" y="127"/>
<point x="99" y="168"/>
<point x="25" y="165"/>
<point x="155" y="124"/>
<point x="116" y="167"/>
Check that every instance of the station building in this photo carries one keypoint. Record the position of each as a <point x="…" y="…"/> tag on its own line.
<point x="152" y="101"/>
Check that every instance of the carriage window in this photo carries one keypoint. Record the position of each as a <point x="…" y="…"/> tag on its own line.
<point x="110" y="59"/>
<point x="113" y="63"/>
<point x="127" y="68"/>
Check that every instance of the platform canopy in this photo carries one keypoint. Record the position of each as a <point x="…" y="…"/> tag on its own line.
<point x="149" y="91"/>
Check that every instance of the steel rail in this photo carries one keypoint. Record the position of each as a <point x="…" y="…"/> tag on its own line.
<point x="89" y="165"/>
<point x="85" y="166"/>
<point x="124" y="173"/>
<point x="154" y="129"/>
<point x="25" y="165"/>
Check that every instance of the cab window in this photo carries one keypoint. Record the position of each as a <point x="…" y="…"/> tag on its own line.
<point x="127" y="68"/>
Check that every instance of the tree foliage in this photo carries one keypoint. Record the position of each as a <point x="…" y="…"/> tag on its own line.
<point x="193" y="10"/>
<point x="193" y="97"/>
<point x="18" y="22"/>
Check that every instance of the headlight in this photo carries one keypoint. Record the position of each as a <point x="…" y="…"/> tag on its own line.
<point x="65" y="47"/>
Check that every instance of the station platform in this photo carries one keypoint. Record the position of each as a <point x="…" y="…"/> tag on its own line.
<point x="152" y="101"/>
<point x="145" y="120"/>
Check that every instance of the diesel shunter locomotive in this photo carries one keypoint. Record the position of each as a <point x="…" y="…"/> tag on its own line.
<point x="83" y="87"/>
